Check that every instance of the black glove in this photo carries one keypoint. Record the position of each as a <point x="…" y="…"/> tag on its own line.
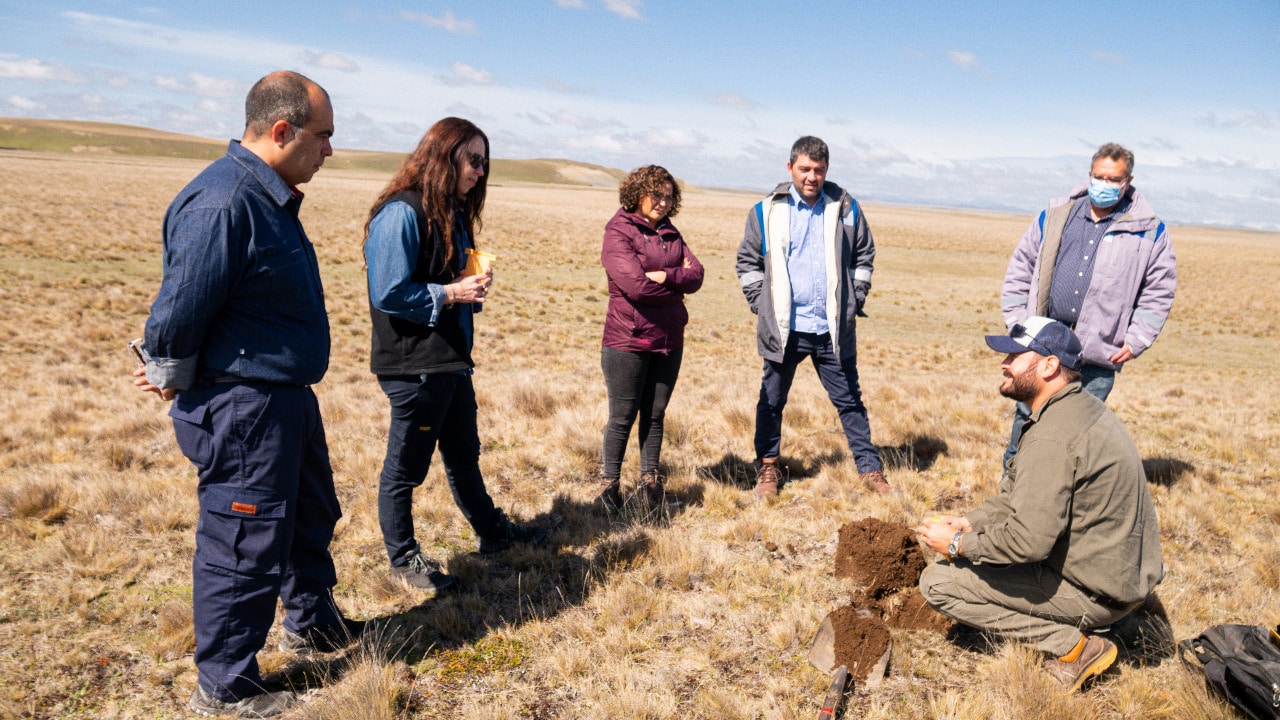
<point x="860" y="290"/>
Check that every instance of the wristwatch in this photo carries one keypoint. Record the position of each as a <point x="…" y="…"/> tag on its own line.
<point x="953" y="549"/>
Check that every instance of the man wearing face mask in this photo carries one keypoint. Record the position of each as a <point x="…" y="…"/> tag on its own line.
<point x="1100" y="262"/>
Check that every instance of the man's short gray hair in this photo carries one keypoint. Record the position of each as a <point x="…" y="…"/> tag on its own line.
<point x="283" y="95"/>
<point x="1115" y="151"/>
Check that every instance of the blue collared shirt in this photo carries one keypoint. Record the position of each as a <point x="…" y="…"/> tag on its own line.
<point x="391" y="253"/>
<point x="1077" y="253"/>
<point x="241" y="295"/>
<point x="806" y="264"/>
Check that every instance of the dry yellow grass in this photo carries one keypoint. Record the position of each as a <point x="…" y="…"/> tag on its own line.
<point x="688" y="616"/>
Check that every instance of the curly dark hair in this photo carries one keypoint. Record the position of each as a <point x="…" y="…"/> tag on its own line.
<point x="648" y="180"/>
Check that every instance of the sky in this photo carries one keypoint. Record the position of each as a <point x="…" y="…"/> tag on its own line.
<point x="994" y="105"/>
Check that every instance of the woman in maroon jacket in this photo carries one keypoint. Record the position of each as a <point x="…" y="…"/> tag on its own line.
<point x="650" y="271"/>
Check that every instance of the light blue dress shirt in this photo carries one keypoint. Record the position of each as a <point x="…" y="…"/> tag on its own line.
<point x="806" y="265"/>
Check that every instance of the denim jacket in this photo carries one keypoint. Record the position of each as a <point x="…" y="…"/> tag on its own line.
<point x="240" y="296"/>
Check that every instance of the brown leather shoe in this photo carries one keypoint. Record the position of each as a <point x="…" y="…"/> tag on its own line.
<point x="768" y="477"/>
<point x="653" y="486"/>
<point x="874" y="480"/>
<point x="610" y="497"/>
<point x="1096" y="657"/>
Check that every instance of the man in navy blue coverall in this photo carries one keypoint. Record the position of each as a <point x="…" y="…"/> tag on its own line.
<point x="237" y="336"/>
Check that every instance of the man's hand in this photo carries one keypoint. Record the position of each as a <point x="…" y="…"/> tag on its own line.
<point x="936" y="532"/>
<point x="1124" y="356"/>
<point x="141" y="382"/>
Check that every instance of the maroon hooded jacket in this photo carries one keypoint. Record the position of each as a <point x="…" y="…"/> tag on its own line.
<point x="644" y="316"/>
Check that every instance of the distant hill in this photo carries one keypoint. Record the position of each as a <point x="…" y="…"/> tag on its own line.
<point x="74" y="136"/>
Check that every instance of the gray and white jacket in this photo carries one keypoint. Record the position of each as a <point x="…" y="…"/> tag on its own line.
<point x="762" y="268"/>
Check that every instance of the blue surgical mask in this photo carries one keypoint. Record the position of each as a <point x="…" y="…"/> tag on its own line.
<point x="1104" y="194"/>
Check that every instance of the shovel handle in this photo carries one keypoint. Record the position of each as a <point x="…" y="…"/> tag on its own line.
<point x="831" y="705"/>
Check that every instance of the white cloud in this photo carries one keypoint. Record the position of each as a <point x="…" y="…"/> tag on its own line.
<point x="38" y="70"/>
<point x="215" y="107"/>
<point x="534" y="118"/>
<point x="331" y="61"/>
<point x="674" y="139"/>
<point x="207" y="86"/>
<point x="164" y="82"/>
<point x="967" y="62"/>
<point x="1254" y="119"/>
<point x="200" y="84"/>
<point x="733" y="100"/>
<point x="597" y="143"/>
<point x="574" y="4"/>
<point x="469" y="112"/>
<point x="25" y="104"/>
<point x="115" y="80"/>
<point x="629" y="9"/>
<point x="1105" y="56"/>
<point x="447" y="22"/>
<point x="463" y="72"/>
<point x="565" y="88"/>
<point x="579" y="122"/>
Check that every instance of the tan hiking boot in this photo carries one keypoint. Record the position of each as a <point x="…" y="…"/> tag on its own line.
<point x="874" y="480"/>
<point x="653" y="486"/>
<point x="768" y="477"/>
<point x="610" y="497"/>
<point x="1096" y="657"/>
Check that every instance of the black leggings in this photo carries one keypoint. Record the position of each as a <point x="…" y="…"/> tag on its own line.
<point x="637" y="382"/>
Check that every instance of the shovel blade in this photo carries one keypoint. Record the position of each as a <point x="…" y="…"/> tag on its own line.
<point x="822" y="653"/>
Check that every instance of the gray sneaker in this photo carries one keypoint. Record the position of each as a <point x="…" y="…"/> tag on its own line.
<point x="256" y="706"/>
<point x="423" y="573"/>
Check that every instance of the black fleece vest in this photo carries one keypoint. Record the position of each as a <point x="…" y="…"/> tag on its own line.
<point x="404" y="347"/>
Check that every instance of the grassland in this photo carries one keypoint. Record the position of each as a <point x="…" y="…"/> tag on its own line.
<point x="129" y="141"/>
<point x="704" y="614"/>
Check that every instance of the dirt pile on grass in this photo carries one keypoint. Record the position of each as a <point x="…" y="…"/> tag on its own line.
<point x="885" y="561"/>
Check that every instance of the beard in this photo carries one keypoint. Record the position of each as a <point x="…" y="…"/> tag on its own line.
<point x="1021" y="387"/>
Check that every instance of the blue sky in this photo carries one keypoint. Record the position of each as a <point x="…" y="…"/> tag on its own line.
<point x="989" y="105"/>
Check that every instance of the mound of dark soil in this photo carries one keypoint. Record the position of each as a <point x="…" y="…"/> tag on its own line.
<point x="885" y="561"/>
<point x="861" y="639"/>
<point x="907" y="610"/>
<point x="882" y="557"/>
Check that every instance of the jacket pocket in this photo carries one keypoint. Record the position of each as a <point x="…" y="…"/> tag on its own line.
<point x="241" y="531"/>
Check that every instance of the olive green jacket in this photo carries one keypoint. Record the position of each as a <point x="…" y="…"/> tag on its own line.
<point x="1076" y="499"/>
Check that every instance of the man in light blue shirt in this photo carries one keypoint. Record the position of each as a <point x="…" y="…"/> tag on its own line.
<point x="805" y="267"/>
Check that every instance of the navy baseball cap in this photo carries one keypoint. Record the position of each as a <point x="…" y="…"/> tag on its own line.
<point x="1042" y="335"/>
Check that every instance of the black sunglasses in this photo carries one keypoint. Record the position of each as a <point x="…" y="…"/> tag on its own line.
<point x="475" y="159"/>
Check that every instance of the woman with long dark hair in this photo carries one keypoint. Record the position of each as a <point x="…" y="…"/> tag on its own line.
<point x="420" y="231"/>
<point x="650" y="270"/>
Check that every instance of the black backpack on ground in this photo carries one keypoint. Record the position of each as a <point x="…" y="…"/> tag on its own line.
<point x="1241" y="663"/>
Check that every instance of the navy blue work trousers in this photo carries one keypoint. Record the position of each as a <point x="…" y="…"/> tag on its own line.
<point x="267" y="513"/>
<point x="426" y="411"/>
<point x="838" y="376"/>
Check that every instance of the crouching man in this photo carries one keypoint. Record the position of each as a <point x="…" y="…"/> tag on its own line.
<point x="1071" y="541"/>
